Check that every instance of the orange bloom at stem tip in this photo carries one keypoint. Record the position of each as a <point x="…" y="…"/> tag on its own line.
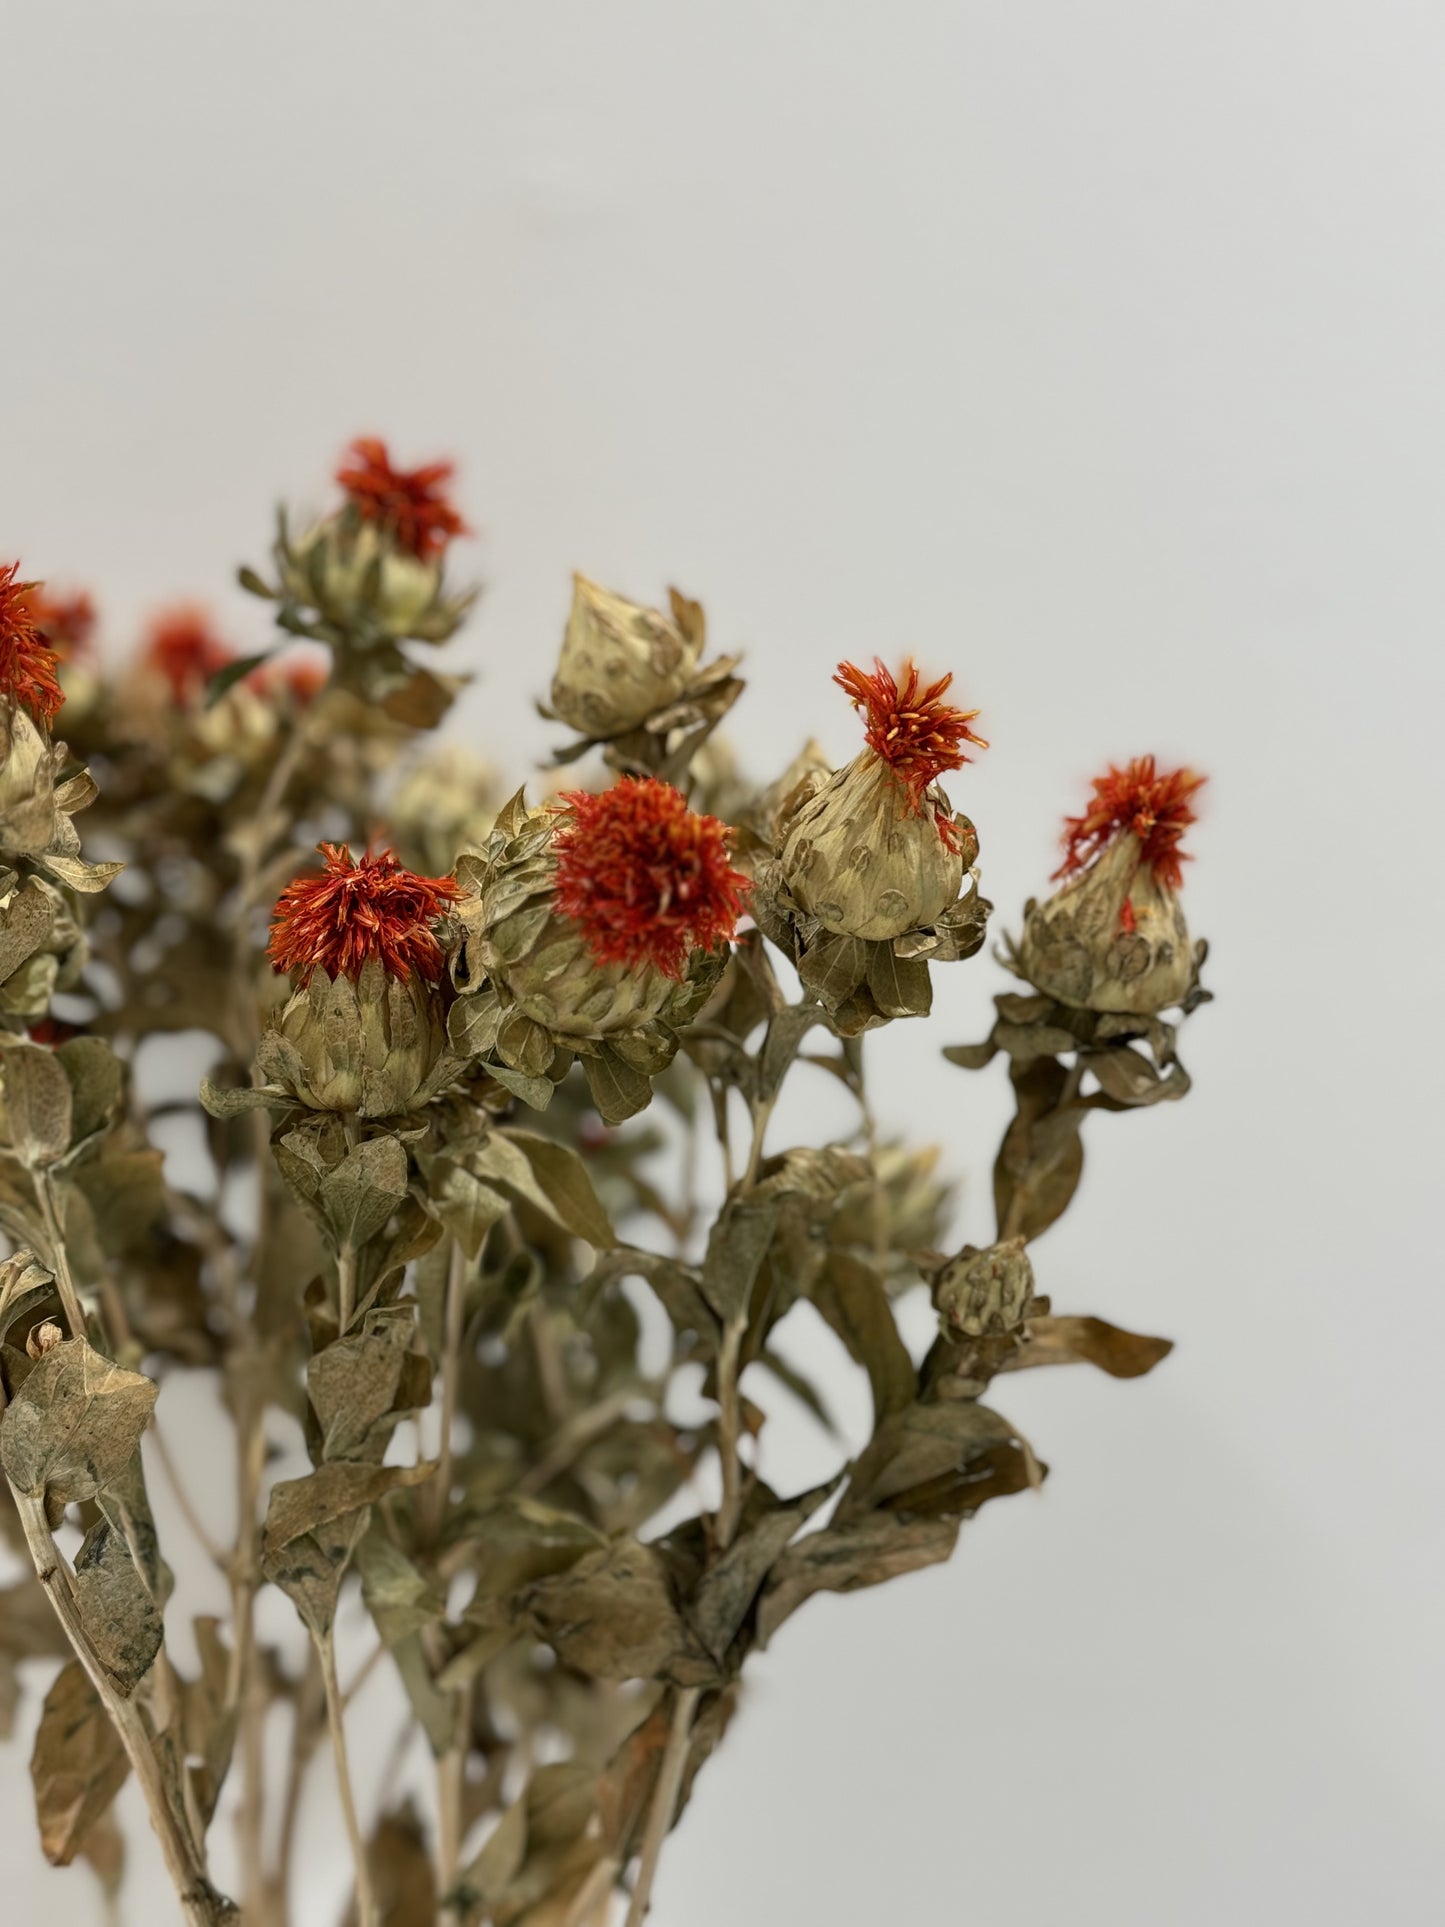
<point x="183" y="648"/>
<point x="27" y="664"/>
<point x="1155" y="808"/>
<point x="356" y="911"/>
<point x="648" y="879"/>
<point x="911" y="729"/>
<point x="411" y="504"/>
<point x="65" y="622"/>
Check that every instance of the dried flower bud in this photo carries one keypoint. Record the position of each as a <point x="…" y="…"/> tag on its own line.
<point x="410" y="506"/>
<point x="1114" y="937"/>
<point x="594" y="929"/>
<point x="183" y="651"/>
<point x="365" y="1032"/>
<point x="980" y="1292"/>
<point x="66" y="622"/>
<point x="621" y="661"/>
<point x="373" y="573"/>
<point x="28" y="678"/>
<point x="876" y="851"/>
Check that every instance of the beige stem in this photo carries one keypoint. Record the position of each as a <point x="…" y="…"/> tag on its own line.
<point x="201" y="1905"/>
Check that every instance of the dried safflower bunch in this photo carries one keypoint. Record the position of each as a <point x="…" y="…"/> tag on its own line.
<point x="594" y="928"/>
<point x="632" y="678"/>
<point x="365" y="1030"/>
<point x="870" y="860"/>
<point x="1114" y="937"/>
<point x="570" y="1593"/>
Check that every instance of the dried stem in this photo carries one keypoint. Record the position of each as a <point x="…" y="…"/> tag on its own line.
<point x="664" y="1802"/>
<point x="201" y="1905"/>
<point x="58" y="1256"/>
<point x="366" y="1909"/>
<point x="306" y="1730"/>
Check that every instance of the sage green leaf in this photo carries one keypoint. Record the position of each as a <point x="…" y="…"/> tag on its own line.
<point x="464" y="1204"/>
<point x="358" y="1384"/>
<point x="37" y="1103"/>
<point x="729" y="1588"/>
<point x="120" y="1616"/>
<point x="77" y="1767"/>
<point x="359" y="1196"/>
<point x="25" y="923"/>
<point x="562" y="1183"/>
<point x="537" y="1092"/>
<point x="736" y="1247"/>
<point x="313" y="1526"/>
<point x="845" y="1558"/>
<point x="74" y="1424"/>
<point x="901" y="986"/>
<point x="235" y="1103"/>
<point x="615" y="1614"/>
<point x="618" y="1090"/>
<point x="397" y="1594"/>
<point x="95" y="1083"/>
<point x="947" y="1458"/>
<point x="851" y="1297"/>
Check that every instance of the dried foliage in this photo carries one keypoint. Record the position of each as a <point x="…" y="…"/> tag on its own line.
<point x="430" y="1227"/>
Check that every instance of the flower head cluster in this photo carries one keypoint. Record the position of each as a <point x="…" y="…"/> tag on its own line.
<point x="909" y="726"/>
<point x="66" y="622"/>
<point x="27" y="664"/>
<point x="411" y="504"/>
<point x="185" y="650"/>
<point x="1140" y="801"/>
<point x="647" y="879"/>
<point x="355" y="911"/>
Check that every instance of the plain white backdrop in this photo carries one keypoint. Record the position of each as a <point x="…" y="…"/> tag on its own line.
<point x="1092" y="351"/>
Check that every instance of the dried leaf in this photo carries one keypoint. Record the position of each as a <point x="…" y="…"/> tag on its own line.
<point x="78" y="1765"/>
<point x="851" y="1296"/>
<point x="736" y="1247"/>
<point x="74" y="1425"/>
<point x="729" y="1588"/>
<point x="37" y="1103"/>
<point x="564" y="1188"/>
<point x="845" y="1558"/>
<point x="363" y="1191"/>
<point x="615" y="1614"/>
<point x="360" y="1385"/>
<point x="116" y="1606"/>
<point x="1092" y="1341"/>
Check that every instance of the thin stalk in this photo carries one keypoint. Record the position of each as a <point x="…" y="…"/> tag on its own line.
<point x="201" y="1905"/>
<point x="455" y="1320"/>
<point x="366" y="1908"/>
<point x="451" y="1791"/>
<point x="345" y="1288"/>
<point x="306" y="1730"/>
<point x="59" y="1257"/>
<point x="664" y="1802"/>
<point x="729" y="1433"/>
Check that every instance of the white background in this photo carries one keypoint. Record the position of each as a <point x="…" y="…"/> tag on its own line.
<point x="1090" y="350"/>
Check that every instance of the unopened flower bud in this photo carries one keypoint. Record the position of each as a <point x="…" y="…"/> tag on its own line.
<point x="1113" y="938"/>
<point x="621" y="661"/>
<point x="876" y="850"/>
<point x="365" y="1032"/>
<point x="981" y="1292"/>
<point x="593" y="924"/>
<point x="374" y="570"/>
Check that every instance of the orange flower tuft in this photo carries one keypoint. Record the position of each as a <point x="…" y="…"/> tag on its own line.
<point x="183" y="648"/>
<point x="911" y="729"/>
<point x="66" y="622"/>
<point x="354" y="911"/>
<point x="648" y="879"/>
<point x="411" y="504"/>
<point x="27" y="664"/>
<point x="1138" y="800"/>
